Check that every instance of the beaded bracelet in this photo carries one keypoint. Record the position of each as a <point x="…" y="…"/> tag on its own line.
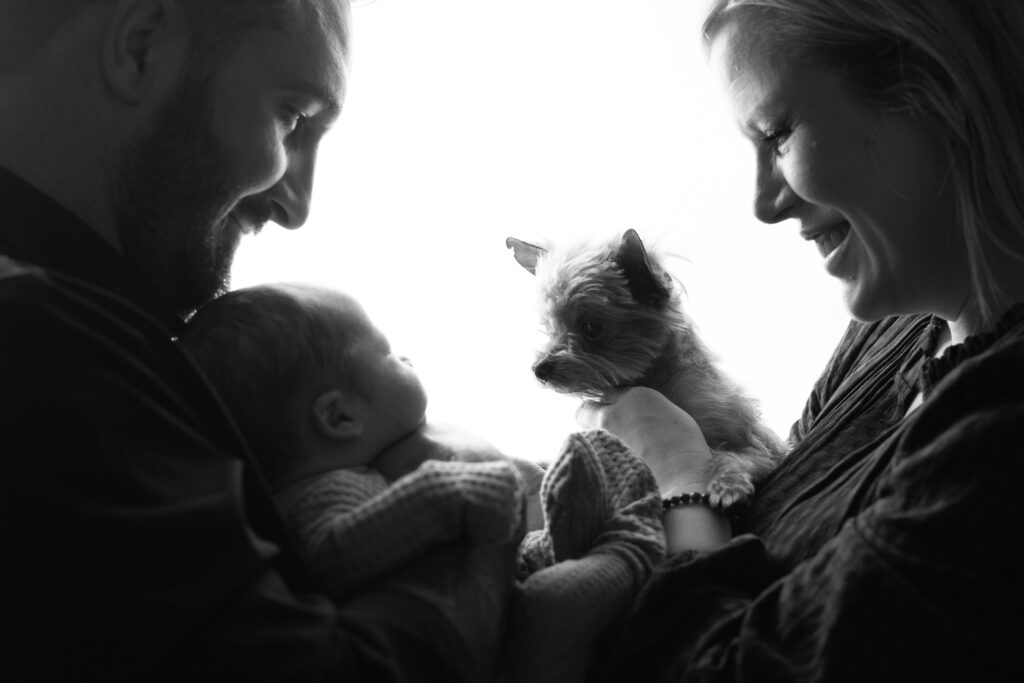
<point x="687" y="499"/>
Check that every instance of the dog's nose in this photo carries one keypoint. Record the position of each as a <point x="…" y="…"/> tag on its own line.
<point x="543" y="369"/>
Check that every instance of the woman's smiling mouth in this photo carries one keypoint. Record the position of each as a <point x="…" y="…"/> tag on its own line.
<point x="830" y="240"/>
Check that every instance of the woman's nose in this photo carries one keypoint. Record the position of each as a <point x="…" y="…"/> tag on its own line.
<point x="774" y="199"/>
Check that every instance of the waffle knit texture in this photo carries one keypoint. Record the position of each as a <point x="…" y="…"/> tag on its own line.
<point x="578" y="575"/>
<point x="352" y="525"/>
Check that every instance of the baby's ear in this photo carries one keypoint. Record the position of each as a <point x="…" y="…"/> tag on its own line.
<point x="333" y="416"/>
<point x="644" y="283"/>
<point x="526" y="254"/>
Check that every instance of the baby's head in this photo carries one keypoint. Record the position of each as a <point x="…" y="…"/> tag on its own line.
<point x="312" y="383"/>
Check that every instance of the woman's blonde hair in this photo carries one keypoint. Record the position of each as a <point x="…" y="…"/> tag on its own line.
<point x="958" y="63"/>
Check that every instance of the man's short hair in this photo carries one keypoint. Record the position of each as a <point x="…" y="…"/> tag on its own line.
<point x="215" y="24"/>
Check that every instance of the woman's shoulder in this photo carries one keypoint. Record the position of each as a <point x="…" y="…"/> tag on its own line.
<point x="996" y="351"/>
<point x="977" y="384"/>
<point x="970" y="429"/>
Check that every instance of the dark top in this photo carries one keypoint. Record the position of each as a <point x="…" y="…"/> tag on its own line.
<point x="131" y="552"/>
<point x="884" y="548"/>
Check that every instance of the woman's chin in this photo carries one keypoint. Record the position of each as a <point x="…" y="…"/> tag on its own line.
<point x="863" y="304"/>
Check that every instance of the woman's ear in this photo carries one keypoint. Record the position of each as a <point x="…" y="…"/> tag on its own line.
<point x="144" y="48"/>
<point x="335" y="416"/>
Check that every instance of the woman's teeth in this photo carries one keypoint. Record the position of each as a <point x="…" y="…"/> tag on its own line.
<point x="829" y="241"/>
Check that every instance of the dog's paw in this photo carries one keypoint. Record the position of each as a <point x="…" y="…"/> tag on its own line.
<point x="731" y="479"/>
<point x="726" y="493"/>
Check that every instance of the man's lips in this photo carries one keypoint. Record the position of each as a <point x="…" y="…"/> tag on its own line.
<point x="829" y="238"/>
<point x="246" y="225"/>
<point x="251" y="215"/>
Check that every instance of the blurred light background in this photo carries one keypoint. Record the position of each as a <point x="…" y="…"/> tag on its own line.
<point x="468" y="121"/>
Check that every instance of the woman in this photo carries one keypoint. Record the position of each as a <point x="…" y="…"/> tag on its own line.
<point x="885" y="546"/>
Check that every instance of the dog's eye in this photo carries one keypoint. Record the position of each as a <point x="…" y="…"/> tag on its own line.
<point x="590" y="329"/>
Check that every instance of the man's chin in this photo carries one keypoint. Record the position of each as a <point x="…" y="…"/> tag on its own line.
<point x="196" y="287"/>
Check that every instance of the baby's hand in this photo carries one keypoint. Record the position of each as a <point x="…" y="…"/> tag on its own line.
<point x="482" y="501"/>
<point x="494" y="492"/>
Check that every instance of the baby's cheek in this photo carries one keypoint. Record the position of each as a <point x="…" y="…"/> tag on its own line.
<point x="419" y="403"/>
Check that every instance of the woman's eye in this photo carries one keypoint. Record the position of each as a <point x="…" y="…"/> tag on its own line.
<point x="775" y="137"/>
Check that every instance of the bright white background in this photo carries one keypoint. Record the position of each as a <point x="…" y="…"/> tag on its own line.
<point x="471" y="120"/>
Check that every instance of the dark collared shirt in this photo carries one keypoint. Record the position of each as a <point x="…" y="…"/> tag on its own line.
<point x="138" y="546"/>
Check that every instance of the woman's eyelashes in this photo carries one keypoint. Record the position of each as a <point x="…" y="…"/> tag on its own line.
<point x="776" y="136"/>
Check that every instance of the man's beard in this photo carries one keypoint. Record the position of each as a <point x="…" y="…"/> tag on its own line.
<point x="176" y="192"/>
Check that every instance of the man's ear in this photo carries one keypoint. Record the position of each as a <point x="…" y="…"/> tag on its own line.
<point x="144" y="48"/>
<point x="526" y="254"/>
<point x="333" y="416"/>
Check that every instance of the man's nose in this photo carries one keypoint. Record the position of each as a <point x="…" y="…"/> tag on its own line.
<point x="293" y="193"/>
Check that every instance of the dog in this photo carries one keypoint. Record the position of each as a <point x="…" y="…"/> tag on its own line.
<point x="614" y="318"/>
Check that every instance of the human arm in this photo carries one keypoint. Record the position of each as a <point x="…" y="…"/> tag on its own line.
<point x="921" y="583"/>
<point x="345" y="542"/>
<point x="443" y="441"/>
<point x="130" y="552"/>
<point x="672" y="444"/>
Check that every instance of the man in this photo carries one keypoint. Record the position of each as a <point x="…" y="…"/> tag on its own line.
<point x="139" y="139"/>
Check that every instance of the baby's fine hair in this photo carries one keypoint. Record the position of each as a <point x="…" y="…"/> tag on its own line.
<point x="955" y="63"/>
<point x="268" y="350"/>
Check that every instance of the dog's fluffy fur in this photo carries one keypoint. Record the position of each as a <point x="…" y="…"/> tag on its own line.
<point x="614" y="317"/>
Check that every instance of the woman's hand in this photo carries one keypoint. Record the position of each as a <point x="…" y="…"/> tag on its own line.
<point x="675" y="449"/>
<point x="658" y="431"/>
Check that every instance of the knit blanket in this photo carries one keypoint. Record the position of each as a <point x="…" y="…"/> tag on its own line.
<point x="576" y="576"/>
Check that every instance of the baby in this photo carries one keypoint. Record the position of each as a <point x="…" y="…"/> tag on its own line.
<point x="319" y="394"/>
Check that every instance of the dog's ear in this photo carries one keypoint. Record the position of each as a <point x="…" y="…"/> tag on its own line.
<point x="645" y="285"/>
<point x="526" y="254"/>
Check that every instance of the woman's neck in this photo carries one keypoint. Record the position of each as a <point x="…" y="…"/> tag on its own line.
<point x="1004" y="269"/>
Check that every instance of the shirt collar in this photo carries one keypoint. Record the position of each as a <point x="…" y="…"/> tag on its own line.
<point x="936" y="369"/>
<point x="36" y="229"/>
